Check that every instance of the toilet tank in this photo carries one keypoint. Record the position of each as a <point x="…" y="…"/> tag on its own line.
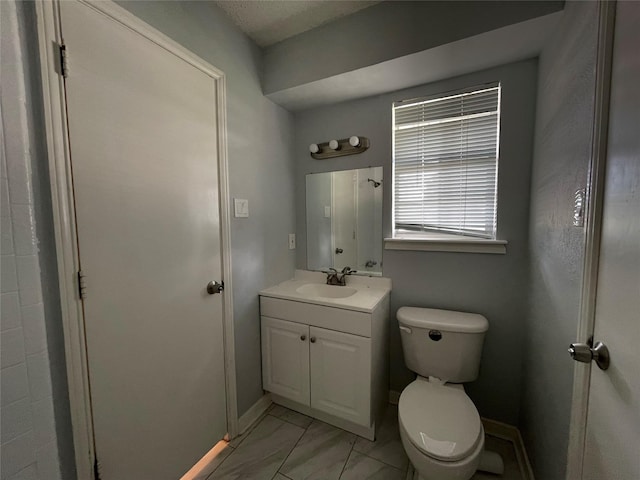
<point x="442" y="343"/>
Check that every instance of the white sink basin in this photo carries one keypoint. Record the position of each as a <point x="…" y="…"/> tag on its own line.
<point x="325" y="291"/>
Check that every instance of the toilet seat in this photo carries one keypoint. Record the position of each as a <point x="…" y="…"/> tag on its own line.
<point x="440" y="420"/>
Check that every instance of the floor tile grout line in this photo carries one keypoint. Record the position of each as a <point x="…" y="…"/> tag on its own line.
<point x="351" y="450"/>
<point x="347" y="460"/>
<point x="249" y="432"/>
<point x="291" y="423"/>
<point x="381" y="461"/>
<point x="294" y="447"/>
<point x="280" y="473"/>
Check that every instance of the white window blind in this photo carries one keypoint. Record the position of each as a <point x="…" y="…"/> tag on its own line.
<point x="446" y="162"/>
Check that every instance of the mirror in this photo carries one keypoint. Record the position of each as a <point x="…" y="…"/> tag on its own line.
<point x="344" y="220"/>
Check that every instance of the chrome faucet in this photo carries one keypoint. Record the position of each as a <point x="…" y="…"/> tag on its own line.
<point x="339" y="279"/>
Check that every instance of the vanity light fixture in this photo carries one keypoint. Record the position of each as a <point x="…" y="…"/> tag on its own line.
<point x="338" y="148"/>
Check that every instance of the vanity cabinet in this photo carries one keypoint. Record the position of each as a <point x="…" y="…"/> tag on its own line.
<point x="285" y="359"/>
<point x="340" y="371"/>
<point x="326" y="362"/>
<point x="320" y="368"/>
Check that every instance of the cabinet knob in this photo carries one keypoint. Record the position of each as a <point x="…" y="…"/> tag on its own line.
<point x="303" y="337"/>
<point x="312" y="339"/>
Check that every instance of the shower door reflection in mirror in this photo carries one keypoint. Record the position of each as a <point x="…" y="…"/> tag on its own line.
<point x="344" y="220"/>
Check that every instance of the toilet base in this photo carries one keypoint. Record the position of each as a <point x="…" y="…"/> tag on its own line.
<point x="490" y="462"/>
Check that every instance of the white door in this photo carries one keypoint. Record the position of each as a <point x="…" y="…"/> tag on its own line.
<point x="341" y="374"/>
<point x="612" y="449"/>
<point x="344" y="219"/>
<point x="285" y="359"/>
<point x="142" y="130"/>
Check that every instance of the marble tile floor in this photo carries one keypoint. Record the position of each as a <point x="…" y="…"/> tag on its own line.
<point x="286" y="445"/>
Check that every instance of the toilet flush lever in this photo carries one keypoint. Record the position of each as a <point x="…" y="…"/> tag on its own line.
<point x="405" y="329"/>
<point x="582" y="352"/>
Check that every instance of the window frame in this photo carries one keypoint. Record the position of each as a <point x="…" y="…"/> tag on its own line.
<point x="434" y="240"/>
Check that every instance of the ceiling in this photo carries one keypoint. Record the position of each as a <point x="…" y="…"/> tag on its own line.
<point x="271" y="21"/>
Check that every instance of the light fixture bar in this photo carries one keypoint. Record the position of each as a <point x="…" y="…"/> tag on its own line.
<point x="338" y="148"/>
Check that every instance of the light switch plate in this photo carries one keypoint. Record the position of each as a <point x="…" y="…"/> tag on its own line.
<point x="327" y="212"/>
<point x="241" y="207"/>
<point x="292" y="241"/>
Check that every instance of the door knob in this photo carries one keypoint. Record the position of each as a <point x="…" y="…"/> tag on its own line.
<point x="214" y="287"/>
<point x="303" y="337"/>
<point x="339" y="251"/>
<point x="312" y="339"/>
<point x="582" y="352"/>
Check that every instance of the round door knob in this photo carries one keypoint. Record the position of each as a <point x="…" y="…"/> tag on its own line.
<point x="214" y="287"/>
<point x="582" y="352"/>
<point x="303" y="337"/>
<point x="312" y="339"/>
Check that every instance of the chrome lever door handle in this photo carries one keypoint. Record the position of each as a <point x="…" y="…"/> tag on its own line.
<point x="581" y="352"/>
<point x="214" y="287"/>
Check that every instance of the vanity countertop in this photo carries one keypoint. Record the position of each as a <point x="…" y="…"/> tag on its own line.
<point x="369" y="291"/>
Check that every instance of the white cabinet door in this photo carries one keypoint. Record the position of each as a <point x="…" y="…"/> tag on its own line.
<point x="341" y="374"/>
<point x="285" y="359"/>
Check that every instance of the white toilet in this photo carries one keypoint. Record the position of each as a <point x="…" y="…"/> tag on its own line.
<point x="440" y="427"/>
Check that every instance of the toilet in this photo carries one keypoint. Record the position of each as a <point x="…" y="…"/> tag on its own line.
<point x="440" y="427"/>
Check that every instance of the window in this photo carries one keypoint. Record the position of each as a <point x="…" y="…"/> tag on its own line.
<point x="445" y="165"/>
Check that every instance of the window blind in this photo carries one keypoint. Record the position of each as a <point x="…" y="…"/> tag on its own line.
<point x="445" y="163"/>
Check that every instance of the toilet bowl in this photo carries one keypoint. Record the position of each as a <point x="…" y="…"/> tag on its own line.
<point x="440" y="430"/>
<point x="440" y="427"/>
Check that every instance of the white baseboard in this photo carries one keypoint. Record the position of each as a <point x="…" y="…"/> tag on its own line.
<point x="512" y="434"/>
<point x="394" y="397"/>
<point x="254" y="413"/>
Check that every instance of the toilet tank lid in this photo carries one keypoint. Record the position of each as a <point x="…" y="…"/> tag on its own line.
<point x="445" y="320"/>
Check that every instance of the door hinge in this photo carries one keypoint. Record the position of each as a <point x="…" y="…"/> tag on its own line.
<point x="579" y="207"/>
<point x="82" y="286"/>
<point x="64" y="62"/>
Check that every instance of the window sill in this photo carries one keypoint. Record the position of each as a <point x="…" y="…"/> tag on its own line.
<point x="447" y="244"/>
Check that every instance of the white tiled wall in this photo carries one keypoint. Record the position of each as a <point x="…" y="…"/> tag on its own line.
<point x="28" y="437"/>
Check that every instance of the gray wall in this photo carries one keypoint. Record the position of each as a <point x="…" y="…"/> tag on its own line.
<point x="36" y="426"/>
<point x="566" y="87"/>
<point x="260" y="138"/>
<point x="493" y="285"/>
<point x="386" y="31"/>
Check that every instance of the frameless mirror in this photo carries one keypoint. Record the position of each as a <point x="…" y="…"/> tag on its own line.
<point x="344" y="220"/>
